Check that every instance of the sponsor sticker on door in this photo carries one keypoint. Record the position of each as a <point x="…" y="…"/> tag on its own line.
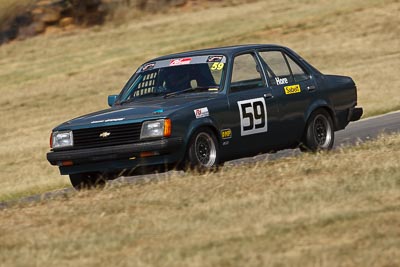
<point x="292" y="89"/>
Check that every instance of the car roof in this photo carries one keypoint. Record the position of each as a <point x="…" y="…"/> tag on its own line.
<point x="226" y="50"/>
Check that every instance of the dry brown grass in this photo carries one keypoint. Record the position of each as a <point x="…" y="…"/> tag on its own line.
<point x="49" y="79"/>
<point x="336" y="209"/>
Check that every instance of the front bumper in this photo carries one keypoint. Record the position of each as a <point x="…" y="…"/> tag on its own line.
<point x="116" y="157"/>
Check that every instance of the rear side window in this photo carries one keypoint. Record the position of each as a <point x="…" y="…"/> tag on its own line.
<point x="298" y="73"/>
<point x="245" y="74"/>
<point x="281" y="69"/>
<point x="276" y="67"/>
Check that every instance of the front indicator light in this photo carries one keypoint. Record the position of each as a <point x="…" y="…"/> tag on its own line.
<point x="149" y="154"/>
<point x="65" y="163"/>
<point x="51" y="140"/>
<point x="167" y="127"/>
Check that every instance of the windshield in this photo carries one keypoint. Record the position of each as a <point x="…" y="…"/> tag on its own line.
<point x="175" y="76"/>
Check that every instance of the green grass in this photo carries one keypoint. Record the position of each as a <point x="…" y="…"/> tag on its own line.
<point x="295" y="211"/>
<point x="52" y="78"/>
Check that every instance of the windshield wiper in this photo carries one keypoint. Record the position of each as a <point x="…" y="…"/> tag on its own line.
<point x="139" y="97"/>
<point x="190" y="89"/>
<point x="126" y="101"/>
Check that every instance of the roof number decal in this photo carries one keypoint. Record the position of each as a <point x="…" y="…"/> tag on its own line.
<point x="217" y="66"/>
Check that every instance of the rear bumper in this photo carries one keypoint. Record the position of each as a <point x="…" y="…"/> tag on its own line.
<point x="355" y="114"/>
<point x="116" y="157"/>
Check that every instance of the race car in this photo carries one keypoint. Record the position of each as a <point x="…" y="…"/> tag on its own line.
<point x="201" y="108"/>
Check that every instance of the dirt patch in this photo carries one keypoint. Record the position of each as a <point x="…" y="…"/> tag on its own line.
<point x="52" y="16"/>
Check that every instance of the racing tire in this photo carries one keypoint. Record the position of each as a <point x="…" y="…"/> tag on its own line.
<point x="203" y="153"/>
<point x="319" y="133"/>
<point x="82" y="181"/>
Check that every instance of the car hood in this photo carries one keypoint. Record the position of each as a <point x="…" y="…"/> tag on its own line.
<point x="136" y="111"/>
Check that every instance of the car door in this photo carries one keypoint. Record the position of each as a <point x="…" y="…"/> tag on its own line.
<point x="253" y="111"/>
<point x="293" y="89"/>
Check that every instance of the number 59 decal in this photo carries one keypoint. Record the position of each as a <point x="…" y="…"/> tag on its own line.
<point x="253" y="116"/>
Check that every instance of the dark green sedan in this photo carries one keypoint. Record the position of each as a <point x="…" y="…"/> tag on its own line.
<point x="201" y="108"/>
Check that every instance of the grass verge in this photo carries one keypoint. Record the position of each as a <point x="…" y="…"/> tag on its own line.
<point x="334" y="209"/>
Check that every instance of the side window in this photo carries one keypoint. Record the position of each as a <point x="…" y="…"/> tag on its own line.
<point x="277" y="69"/>
<point x="245" y="74"/>
<point x="297" y="71"/>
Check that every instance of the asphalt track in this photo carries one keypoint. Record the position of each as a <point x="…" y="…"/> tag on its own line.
<point x="356" y="132"/>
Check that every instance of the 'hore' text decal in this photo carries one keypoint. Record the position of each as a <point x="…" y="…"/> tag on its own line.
<point x="280" y="81"/>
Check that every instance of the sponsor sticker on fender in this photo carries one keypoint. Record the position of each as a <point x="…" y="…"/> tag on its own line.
<point x="180" y="61"/>
<point x="201" y="113"/>
<point x="292" y="89"/>
<point x="226" y="133"/>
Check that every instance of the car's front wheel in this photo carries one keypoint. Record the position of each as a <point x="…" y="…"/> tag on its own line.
<point x="203" y="152"/>
<point x="87" y="180"/>
<point x="319" y="134"/>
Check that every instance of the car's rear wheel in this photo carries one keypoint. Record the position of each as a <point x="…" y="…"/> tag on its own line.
<point x="87" y="180"/>
<point x="319" y="134"/>
<point x="203" y="152"/>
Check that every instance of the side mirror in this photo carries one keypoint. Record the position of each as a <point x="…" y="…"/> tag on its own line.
<point x="111" y="99"/>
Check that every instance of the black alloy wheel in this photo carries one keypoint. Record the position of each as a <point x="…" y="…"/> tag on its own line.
<point x="319" y="134"/>
<point x="203" y="153"/>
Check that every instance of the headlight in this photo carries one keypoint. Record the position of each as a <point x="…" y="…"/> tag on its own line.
<point x="62" y="139"/>
<point x="158" y="128"/>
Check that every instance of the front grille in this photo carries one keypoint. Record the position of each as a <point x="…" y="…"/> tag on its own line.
<point x="107" y="136"/>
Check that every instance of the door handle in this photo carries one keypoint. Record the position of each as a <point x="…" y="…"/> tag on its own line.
<point x="311" y="88"/>
<point x="268" y="96"/>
